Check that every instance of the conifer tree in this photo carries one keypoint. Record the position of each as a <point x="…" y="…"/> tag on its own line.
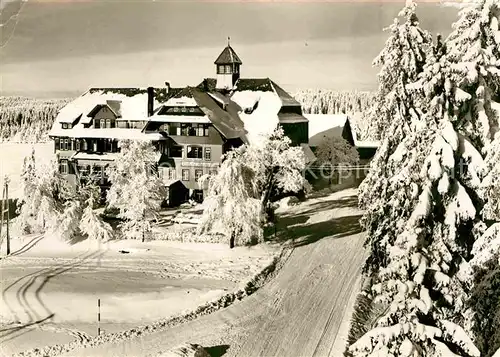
<point x="28" y="187"/>
<point x="400" y="62"/>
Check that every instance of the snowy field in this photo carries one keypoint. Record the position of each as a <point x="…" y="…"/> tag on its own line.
<point x="50" y="289"/>
<point x="303" y="311"/>
<point x="12" y="157"/>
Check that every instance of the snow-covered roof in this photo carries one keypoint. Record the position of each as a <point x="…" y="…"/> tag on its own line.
<point x="264" y="119"/>
<point x="355" y="119"/>
<point x="319" y="123"/>
<point x="129" y="103"/>
<point x="310" y="157"/>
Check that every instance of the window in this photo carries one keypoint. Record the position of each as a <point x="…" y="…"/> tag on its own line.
<point x="200" y="130"/>
<point x="77" y="145"/>
<point x="176" y="109"/>
<point x="228" y="69"/>
<point x="103" y="123"/>
<point x="176" y="151"/>
<point x="64" y="144"/>
<point x="208" y="154"/>
<point x="195" y="152"/>
<point x="220" y="69"/>
<point x="192" y="131"/>
<point x="85" y="146"/>
<point x="205" y="129"/>
<point x="191" y="110"/>
<point x="109" y="145"/>
<point x="185" y="175"/>
<point x="213" y="172"/>
<point x="63" y="167"/>
<point x="94" y="145"/>
<point x="108" y="123"/>
<point x="185" y="129"/>
<point x="197" y="174"/>
<point x="171" y="174"/>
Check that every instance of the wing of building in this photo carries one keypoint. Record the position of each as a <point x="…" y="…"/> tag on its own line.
<point x="191" y="127"/>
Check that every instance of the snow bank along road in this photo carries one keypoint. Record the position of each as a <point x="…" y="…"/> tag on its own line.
<point x="303" y="311"/>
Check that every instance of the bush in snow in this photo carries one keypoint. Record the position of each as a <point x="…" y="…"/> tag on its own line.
<point x="334" y="151"/>
<point x="136" y="190"/>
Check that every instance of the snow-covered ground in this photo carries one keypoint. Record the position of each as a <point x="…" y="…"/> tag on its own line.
<point x="50" y="289"/>
<point x="12" y="158"/>
<point x="303" y="311"/>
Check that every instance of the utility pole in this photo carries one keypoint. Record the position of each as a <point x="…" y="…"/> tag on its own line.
<point x="5" y="212"/>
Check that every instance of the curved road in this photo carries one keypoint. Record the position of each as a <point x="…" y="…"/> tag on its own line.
<point x="303" y="311"/>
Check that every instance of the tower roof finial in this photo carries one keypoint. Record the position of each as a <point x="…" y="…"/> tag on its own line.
<point x="228" y="40"/>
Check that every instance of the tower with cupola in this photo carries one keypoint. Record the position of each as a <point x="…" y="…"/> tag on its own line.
<point x="227" y="66"/>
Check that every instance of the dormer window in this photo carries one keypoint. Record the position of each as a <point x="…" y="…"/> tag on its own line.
<point x="66" y="126"/>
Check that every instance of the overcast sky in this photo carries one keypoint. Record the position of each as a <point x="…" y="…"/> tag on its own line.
<point x="57" y="47"/>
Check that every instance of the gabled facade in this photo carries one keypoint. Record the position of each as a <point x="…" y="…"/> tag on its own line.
<point x="191" y="127"/>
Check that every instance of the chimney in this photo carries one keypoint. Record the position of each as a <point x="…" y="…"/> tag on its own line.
<point x="151" y="96"/>
<point x="167" y="85"/>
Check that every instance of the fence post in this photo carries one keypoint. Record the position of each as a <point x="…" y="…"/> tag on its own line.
<point x="98" y="317"/>
<point x="8" y="214"/>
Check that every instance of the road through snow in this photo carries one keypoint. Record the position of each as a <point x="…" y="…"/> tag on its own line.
<point x="302" y="312"/>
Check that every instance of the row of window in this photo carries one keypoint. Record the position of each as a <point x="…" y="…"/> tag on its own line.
<point x="170" y="174"/>
<point x="192" y="152"/>
<point x="93" y="145"/>
<point x="226" y="69"/>
<point x="185" y="129"/>
<point x="82" y="170"/>
<point x="104" y="123"/>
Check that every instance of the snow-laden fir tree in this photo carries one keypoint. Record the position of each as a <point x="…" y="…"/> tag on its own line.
<point x="91" y="224"/>
<point x="440" y="231"/>
<point x="28" y="187"/>
<point x="400" y="62"/>
<point x="473" y="50"/>
<point x="233" y="203"/>
<point x="398" y="112"/>
<point x="422" y="230"/>
<point x="136" y="190"/>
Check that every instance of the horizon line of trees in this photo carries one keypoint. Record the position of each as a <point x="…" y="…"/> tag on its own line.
<point x="28" y="120"/>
